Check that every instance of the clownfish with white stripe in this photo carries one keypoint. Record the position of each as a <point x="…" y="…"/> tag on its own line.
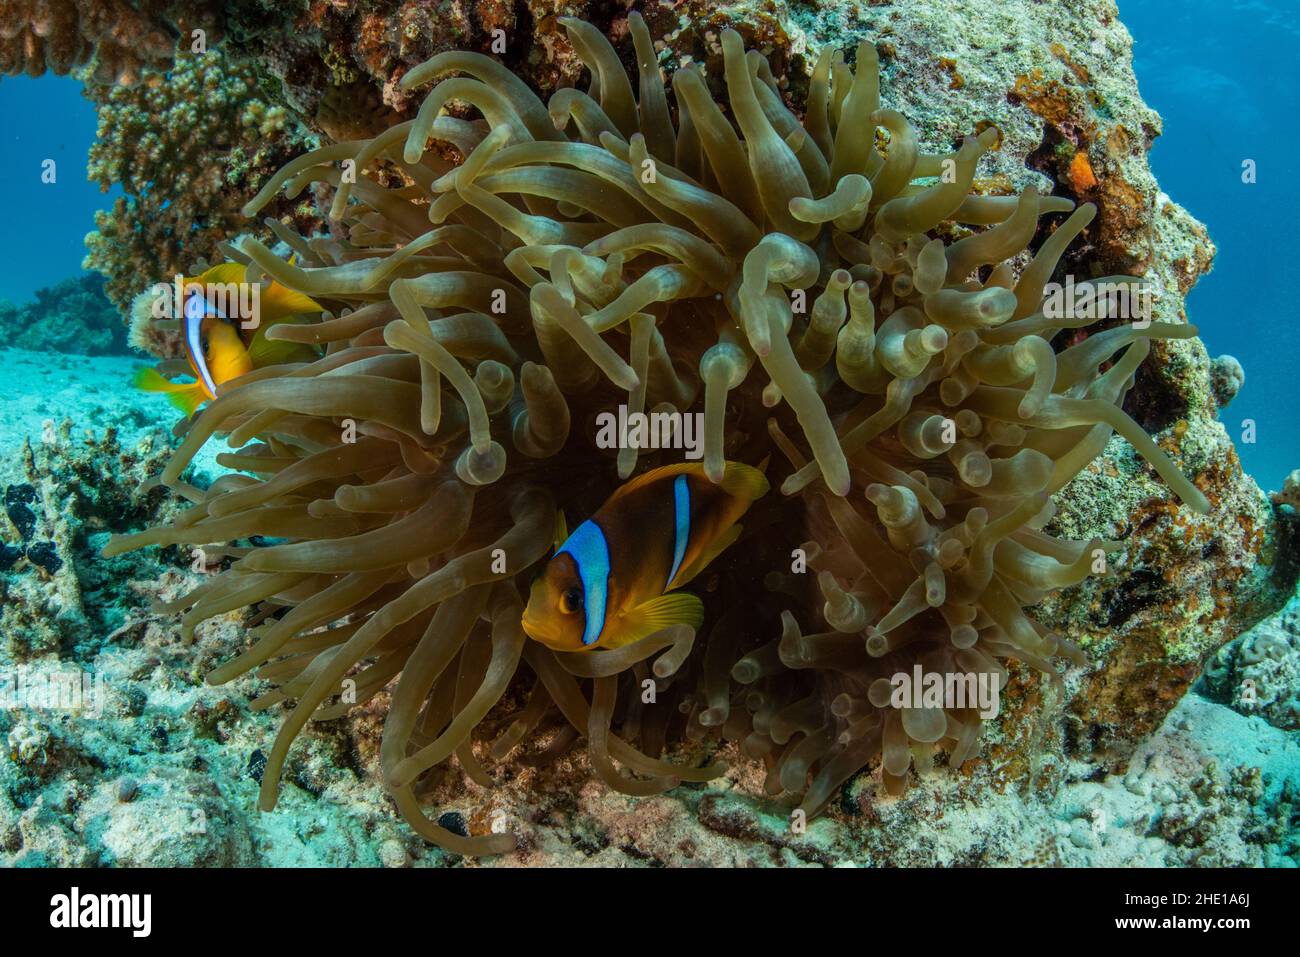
<point x="218" y="347"/>
<point x="615" y="580"/>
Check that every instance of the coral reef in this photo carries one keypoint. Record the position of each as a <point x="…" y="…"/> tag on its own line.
<point x="1078" y="769"/>
<point x="71" y="316"/>
<point x="1209" y="789"/>
<point x="1139" y="635"/>
<point x="335" y="69"/>
<point x="51" y="514"/>
<point x="757" y="258"/>
<point x="1259" y="672"/>
<point x="188" y="152"/>
<point x="312" y="53"/>
<point x="1289" y="494"/>
<point x="115" y="39"/>
<point x="1226" y="379"/>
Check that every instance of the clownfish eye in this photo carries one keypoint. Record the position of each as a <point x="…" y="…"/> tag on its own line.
<point x="203" y="344"/>
<point x="571" y="600"/>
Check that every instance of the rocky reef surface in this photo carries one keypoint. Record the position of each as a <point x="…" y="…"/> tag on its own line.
<point x="1258" y="674"/>
<point x="1127" y="760"/>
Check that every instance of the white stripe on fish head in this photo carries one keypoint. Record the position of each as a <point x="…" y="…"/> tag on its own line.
<point x="197" y="309"/>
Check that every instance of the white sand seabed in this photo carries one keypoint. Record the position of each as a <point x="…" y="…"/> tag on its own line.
<point x="93" y="393"/>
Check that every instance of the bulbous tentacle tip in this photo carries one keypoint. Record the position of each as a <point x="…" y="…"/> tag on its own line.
<point x="1198" y="502"/>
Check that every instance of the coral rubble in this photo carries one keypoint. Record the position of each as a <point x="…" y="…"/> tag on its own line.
<point x="1259" y="672"/>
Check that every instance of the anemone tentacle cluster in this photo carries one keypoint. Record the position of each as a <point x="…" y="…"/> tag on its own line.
<point x="828" y="296"/>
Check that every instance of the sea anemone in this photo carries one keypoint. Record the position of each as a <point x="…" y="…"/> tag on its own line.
<point x="827" y="295"/>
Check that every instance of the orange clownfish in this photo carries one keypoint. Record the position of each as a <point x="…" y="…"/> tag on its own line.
<point x="614" y="580"/>
<point x="217" y="346"/>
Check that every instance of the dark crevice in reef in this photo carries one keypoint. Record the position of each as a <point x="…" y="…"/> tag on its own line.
<point x="1286" y="570"/>
<point x="522" y="37"/>
<point x="1140" y="589"/>
<point x="1155" y="402"/>
<point x="1087" y="740"/>
<point x="1042" y="159"/>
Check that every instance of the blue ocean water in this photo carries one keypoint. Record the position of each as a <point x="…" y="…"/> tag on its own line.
<point x="45" y="118"/>
<point x="1226" y="79"/>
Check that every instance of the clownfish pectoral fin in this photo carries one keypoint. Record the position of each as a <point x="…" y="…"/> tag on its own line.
<point x="561" y="528"/>
<point x="716" y="548"/>
<point x="264" y="351"/>
<point x="186" y="396"/>
<point x="744" y="481"/>
<point x="677" y="608"/>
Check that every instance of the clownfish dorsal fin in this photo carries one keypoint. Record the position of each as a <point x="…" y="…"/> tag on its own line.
<point x="561" y="528"/>
<point x="738" y="479"/>
<point x="221" y="274"/>
<point x="654" y="475"/>
<point x="675" y="608"/>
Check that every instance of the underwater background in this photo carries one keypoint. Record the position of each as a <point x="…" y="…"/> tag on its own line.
<point x="168" y="771"/>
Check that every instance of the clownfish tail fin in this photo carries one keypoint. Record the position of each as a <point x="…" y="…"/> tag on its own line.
<point x="185" y="396"/>
<point x="150" y="380"/>
<point x="189" y="401"/>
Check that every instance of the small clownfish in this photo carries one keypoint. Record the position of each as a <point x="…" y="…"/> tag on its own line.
<point x="215" y="344"/>
<point x="215" y="351"/>
<point x="614" y="580"/>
